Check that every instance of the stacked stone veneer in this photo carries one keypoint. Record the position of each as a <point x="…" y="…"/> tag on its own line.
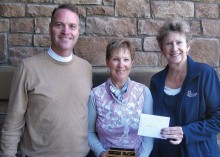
<point x="24" y="28"/>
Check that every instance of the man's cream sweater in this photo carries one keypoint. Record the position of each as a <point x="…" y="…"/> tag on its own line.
<point x="48" y="108"/>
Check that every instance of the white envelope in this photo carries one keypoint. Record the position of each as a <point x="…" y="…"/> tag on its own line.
<point x="151" y="125"/>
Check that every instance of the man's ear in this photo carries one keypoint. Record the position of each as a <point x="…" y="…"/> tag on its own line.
<point x="50" y="28"/>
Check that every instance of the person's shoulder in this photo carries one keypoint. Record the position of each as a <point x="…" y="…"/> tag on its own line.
<point x="82" y="61"/>
<point x="138" y="84"/>
<point x="205" y="71"/>
<point x="159" y="74"/>
<point x="135" y="82"/>
<point x="98" y="90"/>
<point x="203" y="67"/>
<point x="29" y="63"/>
<point x="34" y="58"/>
<point x="100" y="86"/>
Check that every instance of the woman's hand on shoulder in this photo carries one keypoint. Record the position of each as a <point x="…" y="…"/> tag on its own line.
<point x="175" y="134"/>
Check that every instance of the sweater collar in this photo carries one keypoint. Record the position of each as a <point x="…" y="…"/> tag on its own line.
<point x="118" y="93"/>
<point x="59" y="58"/>
<point x="122" y="94"/>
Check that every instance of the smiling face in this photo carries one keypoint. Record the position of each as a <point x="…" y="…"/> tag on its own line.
<point x="175" y="48"/>
<point x="64" y="31"/>
<point x="120" y="64"/>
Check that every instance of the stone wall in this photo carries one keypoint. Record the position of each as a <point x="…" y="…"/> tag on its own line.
<point x="24" y="28"/>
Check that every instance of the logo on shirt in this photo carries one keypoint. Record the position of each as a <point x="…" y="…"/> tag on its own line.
<point x="191" y="94"/>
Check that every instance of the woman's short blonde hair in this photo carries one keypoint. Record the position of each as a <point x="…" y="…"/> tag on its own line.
<point x="174" y="25"/>
<point x="117" y="44"/>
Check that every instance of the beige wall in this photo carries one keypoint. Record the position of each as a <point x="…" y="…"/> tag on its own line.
<point x="24" y="28"/>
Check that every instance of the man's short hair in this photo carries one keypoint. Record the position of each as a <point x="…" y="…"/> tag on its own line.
<point x="65" y="6"/>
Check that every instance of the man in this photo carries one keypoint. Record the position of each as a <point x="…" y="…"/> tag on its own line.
<point x="48" y="101"/>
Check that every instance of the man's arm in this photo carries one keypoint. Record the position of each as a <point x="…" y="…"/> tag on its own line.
<point x="14" y="121"/>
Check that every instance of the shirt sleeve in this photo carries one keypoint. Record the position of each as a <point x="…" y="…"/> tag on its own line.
<point x="94" y="142"/>
<point x="14" y="121"/>
<point x="147" y="142"/>
<point x="208" y="123"/>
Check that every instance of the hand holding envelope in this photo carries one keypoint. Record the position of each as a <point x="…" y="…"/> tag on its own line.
<point x="151" y="125"/>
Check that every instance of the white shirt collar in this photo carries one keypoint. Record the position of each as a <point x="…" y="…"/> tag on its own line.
<point x="59" y="58"/>
<point x="171" y="91"/>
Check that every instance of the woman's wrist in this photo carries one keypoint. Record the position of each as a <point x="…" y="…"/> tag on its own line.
<point x="103" y="153"/>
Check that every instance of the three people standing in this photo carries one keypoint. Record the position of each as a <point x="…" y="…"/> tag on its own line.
<point x="47" y="110"/>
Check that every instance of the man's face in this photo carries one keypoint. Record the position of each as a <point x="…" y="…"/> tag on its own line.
<point x="64" y="31"/>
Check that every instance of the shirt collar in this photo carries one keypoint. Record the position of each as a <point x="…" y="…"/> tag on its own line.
<point x="118" y="93"/>
<point x="59" y="58"/>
